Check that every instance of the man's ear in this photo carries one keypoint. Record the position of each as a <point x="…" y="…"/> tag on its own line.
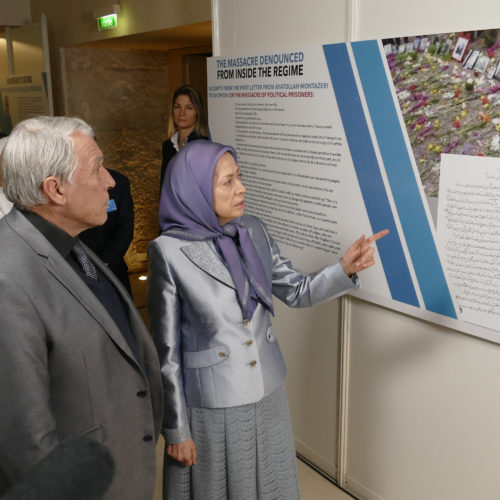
<point x="54" y="189"/>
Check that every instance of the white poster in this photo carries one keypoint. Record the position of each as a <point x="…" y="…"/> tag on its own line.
<point x="293" y="152"/>
<point x="469" y="235"/>
<point x="23" y="96"/>
<point x="347" y="139"/>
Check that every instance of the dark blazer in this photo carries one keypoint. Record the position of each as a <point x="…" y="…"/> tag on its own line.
<point x="168" y="151"/>
<point x="66" y="369"/>
<point x="111" y="240"/>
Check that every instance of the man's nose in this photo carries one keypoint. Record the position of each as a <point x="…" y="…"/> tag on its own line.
<point x="108" y="180"/>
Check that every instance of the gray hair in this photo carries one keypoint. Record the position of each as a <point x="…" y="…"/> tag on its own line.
<point x="3" y="142"/>
<point x="38" y="148"/>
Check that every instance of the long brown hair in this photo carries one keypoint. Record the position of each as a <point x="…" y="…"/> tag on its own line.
<point x="200" y="127"/>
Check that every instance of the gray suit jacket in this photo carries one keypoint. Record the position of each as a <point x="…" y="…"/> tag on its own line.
<point x="209" y="357"/>
<point x="66" y="369"/>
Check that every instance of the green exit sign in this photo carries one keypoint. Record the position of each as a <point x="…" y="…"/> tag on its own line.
<point x="107" y="22"/>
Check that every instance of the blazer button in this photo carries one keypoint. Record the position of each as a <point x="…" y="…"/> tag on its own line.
<point x="245" y="322"/>
<point x="147" y="438"/>
<point x="253" y="363"/>
<point x="249" y="343"/>
<point x="222" y="354"/>
<point x="141" y="394"/>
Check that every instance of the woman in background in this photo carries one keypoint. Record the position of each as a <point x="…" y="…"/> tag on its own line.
<point x="213" y="272"/>
<point x="186" y="123"/>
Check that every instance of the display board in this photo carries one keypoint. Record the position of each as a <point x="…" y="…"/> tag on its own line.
<point x="345" y="139"/>
<point x="22" y="96"/>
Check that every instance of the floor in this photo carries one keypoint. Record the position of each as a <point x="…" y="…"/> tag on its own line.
<point x="313" y="486"/>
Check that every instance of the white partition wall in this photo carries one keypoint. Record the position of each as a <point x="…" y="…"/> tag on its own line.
<point x="421" y="403"/>
<point x="424" y="410"/>
<point x="424" y="401"/>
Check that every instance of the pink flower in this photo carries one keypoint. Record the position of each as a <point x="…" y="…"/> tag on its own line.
<point x="451" y="146"/>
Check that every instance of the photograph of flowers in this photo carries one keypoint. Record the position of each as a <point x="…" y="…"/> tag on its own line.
<point x="448" y="88"/>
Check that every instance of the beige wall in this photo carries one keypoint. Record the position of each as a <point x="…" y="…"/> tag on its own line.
<point x="14" y="12"/>
<point x="123" y="94"/>
<point x="72" y="22"/>
<point x="188" y="67"/>
<point x="27" y="48"/>
<point x="4" y="63"/>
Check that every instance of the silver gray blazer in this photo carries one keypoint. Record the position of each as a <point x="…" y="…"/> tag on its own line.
<point x="209" y="356"/>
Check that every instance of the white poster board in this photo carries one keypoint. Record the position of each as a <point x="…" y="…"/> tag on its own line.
<point x="469" y="235"/>
<point x="325" y="146"/>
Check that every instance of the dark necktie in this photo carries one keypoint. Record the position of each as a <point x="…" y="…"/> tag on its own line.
<point x="83" y="259"/>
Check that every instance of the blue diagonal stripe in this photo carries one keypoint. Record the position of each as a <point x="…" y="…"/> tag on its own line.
<point x="404" y="187"/>
<point x="368" y="173"/>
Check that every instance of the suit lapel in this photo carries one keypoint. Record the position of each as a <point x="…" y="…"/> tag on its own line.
<point x="141" y="333"/>
<point x="62" y="271"/>
<point x="204" y="255"/>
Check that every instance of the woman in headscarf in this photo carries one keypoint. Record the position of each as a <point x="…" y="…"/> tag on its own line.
<point x="212" y="275"/>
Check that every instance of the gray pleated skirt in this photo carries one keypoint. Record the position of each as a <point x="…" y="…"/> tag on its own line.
<point x="243" y="453"/>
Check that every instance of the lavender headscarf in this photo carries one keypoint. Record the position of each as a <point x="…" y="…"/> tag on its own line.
<point x="187" y="212"/>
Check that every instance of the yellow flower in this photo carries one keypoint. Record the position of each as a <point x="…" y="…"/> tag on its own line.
<point x="430" y="146"/>
<point x="418" y="126"/>
<point x="437" y="149"/>
<point x="437" y="123"/>
<point x="464" y="113"/>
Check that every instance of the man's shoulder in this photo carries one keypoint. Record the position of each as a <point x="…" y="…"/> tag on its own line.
<point x="19" y="237"/>
<point x="15" y="252"/>
<point x="9" y="227"/>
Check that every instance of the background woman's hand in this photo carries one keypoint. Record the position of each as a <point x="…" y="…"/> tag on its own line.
<point x="359" y="255"/>
<point x="184" y="452"/>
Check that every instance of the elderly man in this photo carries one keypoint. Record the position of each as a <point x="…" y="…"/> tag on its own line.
<point x="75" y="356"/>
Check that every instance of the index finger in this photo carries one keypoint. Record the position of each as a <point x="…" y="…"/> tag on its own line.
<point x="377" y="236"/>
